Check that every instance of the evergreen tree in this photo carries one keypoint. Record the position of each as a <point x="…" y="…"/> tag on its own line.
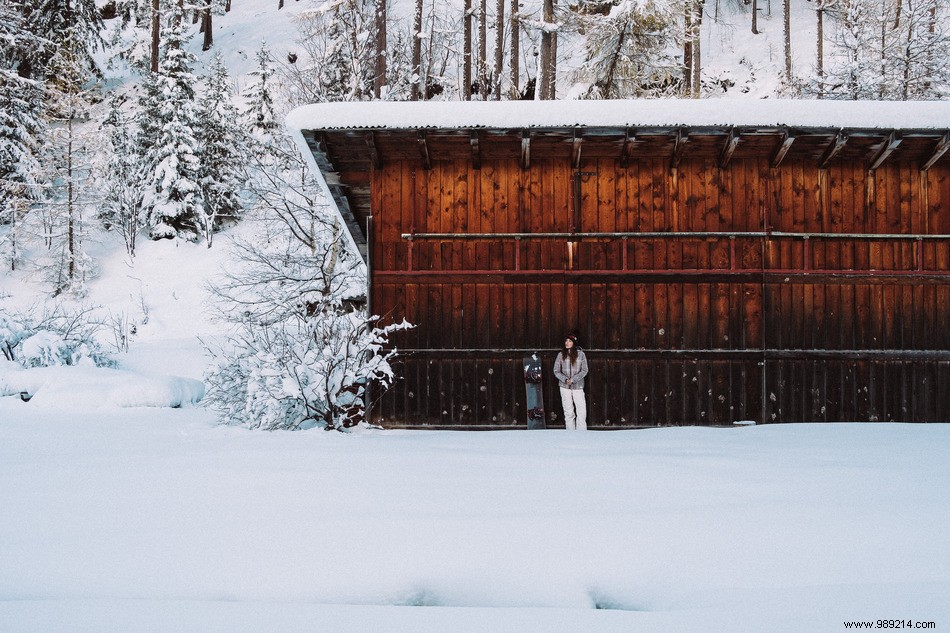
<point x="631" y="54"/>
<point x="171" y="199"/>
<point x="68" y="158"/>
<point x="220" y="138"/>
<point x="21" y="127"/>
<point x="76" y="24"/>
<point x="260" y="115"/>
<point x="131" y="38"/>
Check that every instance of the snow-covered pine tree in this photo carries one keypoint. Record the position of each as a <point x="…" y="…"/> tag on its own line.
<point x="70" y="148"/>
<point x="259" y="114"/>
<point x="130" y="35"/>
<point x="171" y="199"/>
<point x="631" y="54"/>
<point x="76" y="23"/>
<point x="21" y="127"/>
<point x="222" y="151"/>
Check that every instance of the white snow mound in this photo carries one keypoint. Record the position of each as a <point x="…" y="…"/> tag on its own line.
<point x="96" y="387"/>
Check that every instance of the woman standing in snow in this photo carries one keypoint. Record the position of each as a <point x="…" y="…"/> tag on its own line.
<point x="570" y="368"/>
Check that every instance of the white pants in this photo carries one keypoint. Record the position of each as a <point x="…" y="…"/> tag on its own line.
<point x="572" y="399"/>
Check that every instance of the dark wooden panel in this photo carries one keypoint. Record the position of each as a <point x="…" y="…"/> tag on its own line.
<point x="787" y="311"/>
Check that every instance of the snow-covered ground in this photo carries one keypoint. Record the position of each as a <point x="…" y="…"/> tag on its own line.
<point x="161" y="520"/>
<point x="121" y="514"/>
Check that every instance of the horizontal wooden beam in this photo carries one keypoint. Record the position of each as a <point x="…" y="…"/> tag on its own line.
<point x="700" y="235"/>
<point x="750" y="354"/>
<point x="769" y="276"/>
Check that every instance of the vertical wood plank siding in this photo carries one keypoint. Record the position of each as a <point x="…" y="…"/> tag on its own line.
<point x="673" y="336"/>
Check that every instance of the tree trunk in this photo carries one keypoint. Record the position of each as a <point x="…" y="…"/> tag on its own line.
<point x="70" y="191"/>
<point x="499" y="46"/>
<point x="206" y="26"/>
<point x="608" y="82"/>
<point x="467" y="53"/>
<point x="697" y="64"/>
<point x="156" y="30"/>
<point x="546" y="64"/>
<point x="380" y="81"/>
<point x="755" y="17"/>
<point x="787" y="11"/>
<point x="931" y="31"/>
<point x="882" y="87"/>
<point x="688" y="49"/>
<point x="908" y="52"/>
<point x="552" y="83"/>
<point x="515" y="65"/>
<point x="821" y="49"/>
<point x="483" y="49"/>
<point x="70" y="206"/>
<point x="417" y="51"/>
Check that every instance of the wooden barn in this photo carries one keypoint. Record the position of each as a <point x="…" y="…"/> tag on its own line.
<point x="722" y="261"/>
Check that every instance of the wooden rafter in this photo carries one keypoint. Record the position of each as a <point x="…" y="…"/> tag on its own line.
<point x="892" y="142"/>
<point x="373" y="151"/>
<point x="942" y="146"/>
<point x="834" y="148"/>
<point x="319" y="141"/>
<point x="732" y="141"/>
<point x="577" y="145"/>
<point x="476" y="150"/>
<point x="629" y="136"/>
<point x="782" y="150"/>
<point x="424" y="149"/>
<point x="525" y="149"/>
<point x="679" y="144"/>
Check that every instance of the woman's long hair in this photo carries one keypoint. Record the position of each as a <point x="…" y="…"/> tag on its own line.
<point x="570" y="353"/>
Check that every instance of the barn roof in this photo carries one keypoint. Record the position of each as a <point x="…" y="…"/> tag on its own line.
<point x="932" y="115"/>
<point x="347" y="140"/>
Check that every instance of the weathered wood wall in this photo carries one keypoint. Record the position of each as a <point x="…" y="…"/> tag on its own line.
<point x="679" y="329"/>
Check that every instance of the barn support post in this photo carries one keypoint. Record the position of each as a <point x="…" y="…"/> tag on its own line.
<point x="764" y="328"/>
<point x="369" y="403"/>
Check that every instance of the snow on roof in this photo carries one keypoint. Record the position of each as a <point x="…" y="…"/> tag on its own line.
<point x="757" y="113"/>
